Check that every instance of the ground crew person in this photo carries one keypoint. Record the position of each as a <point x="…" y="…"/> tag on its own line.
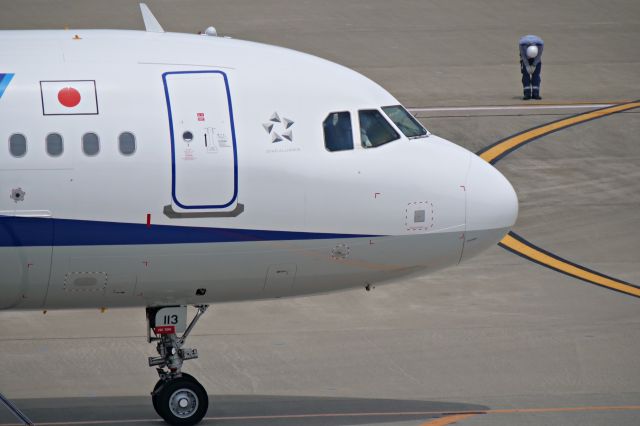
<point x="531" y="65"/>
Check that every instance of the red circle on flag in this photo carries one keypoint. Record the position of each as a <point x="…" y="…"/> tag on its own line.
<point x="69" y="97"/>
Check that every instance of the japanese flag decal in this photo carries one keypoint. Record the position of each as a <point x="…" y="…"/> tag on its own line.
<point x="72" y="97"/>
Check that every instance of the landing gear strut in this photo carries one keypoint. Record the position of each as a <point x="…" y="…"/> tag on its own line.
<point x="177" y="397"/>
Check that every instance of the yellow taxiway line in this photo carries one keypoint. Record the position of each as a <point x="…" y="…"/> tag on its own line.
<point x="498" y="150"/>
<point x="448" y="420"/>
<point x="518" y="245"/>
<point x="453" y="418"/>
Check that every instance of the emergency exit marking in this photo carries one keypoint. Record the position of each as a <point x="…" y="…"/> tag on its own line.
<point x="200" y="116"/>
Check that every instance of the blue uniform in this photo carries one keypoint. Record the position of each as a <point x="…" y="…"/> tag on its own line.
<point x="531" y="68"/>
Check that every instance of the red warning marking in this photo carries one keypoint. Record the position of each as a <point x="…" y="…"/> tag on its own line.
<point x="200" y="116"/>
<point x="69" y="97"/>
<point x="165" y="329"/>
<point x="148" y="220"/>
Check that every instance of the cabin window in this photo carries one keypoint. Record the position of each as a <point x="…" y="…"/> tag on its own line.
<point x="55" y="145"/>
<point x="375" y="130"/>
<point x="90" y="144"/>
<point x="127" y="143"/>
<point x="406" y="122"/>
<point x="337" y="131"/>
<point x="17" y="145"/>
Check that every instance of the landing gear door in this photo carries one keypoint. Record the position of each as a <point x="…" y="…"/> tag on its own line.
<point x="203" y="141"/>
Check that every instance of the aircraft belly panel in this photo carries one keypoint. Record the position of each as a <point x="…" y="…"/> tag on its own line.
<point x="25" y="276"/>
<point x="172" y="274"/>
<point x="25" y="220"/>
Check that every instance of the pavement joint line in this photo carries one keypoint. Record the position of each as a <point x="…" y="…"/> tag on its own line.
<point x="523" y="248"/>
<point x="362" y="414"/>
<point x="514" y="107"/>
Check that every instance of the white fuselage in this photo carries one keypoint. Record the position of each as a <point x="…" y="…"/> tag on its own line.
<point x="211" y="206"/>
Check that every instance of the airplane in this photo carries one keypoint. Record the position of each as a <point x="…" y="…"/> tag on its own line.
<point x="164" y="170"/>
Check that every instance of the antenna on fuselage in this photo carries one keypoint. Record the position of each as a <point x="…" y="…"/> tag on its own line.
<point x="151" y="24"/>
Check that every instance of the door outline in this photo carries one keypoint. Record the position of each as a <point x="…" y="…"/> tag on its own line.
<point x="173" y="153"/>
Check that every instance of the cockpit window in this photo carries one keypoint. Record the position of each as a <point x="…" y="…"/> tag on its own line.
<point x="375" y="130"/>
<point x="337" y="131"/>
<point x="405" y="121"/>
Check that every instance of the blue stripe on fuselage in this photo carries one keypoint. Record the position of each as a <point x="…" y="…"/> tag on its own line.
<point x="5" y="79"/>
<point x="30" y="232"/>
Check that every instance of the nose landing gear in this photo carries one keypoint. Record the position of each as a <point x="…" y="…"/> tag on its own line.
<point x="177" y="397"/>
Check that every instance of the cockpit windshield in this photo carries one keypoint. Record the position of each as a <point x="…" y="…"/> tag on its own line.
<point x="375" y="130"/>
<point x="405" y="121"/>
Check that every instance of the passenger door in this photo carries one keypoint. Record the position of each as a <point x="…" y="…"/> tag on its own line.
<point x="203" y="142"/>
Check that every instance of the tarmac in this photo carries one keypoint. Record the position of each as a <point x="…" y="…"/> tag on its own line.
<point x="498" y="340"/>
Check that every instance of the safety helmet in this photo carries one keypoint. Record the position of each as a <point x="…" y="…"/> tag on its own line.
<point x="532" y="51"/>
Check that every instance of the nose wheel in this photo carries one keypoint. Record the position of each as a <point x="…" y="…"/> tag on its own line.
<point x="181" y="400"/>
<point x="177" y="397"/>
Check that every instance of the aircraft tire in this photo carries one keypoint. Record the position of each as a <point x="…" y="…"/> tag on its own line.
<point x="182" y="401"/>
<point x="154" y="396"/>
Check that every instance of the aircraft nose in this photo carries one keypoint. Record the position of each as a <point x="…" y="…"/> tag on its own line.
<point x="491" y="200"/>
<point x="492" y="207"/>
